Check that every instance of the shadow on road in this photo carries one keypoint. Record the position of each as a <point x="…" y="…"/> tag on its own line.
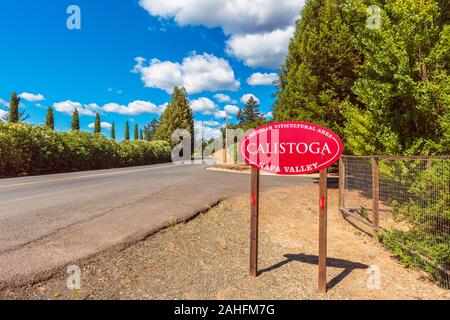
<point x="348" y="266"/>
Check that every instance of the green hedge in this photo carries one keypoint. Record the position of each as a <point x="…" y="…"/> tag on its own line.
<point x="27" y="149"/>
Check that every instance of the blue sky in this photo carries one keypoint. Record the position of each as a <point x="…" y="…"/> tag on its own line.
<point x="128" y="55"/>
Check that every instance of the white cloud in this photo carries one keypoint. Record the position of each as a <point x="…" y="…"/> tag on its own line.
<point x="247" y="96"/>
<point x="208" y="132"/>
<point x="220" y="114"/>
<point x="233" y="16"/>
<point x="259" y="29"/>
<point x="3" y="113"/>
<point x="269" y="115"/>
<point x="211" y="123"/>
<point x="222" y="97"/>
<point x="261" y="49"/>
<point x="104" y="125"/>
<point x="230" y="109"/>
<point x="31" y="97"/>
<point x="261" y="79"/>
<point x="4" y="103"/>
<point x="204" y="106"/>
<point x="196" y="73"/>
<point x="133" y="108"/>
<point x="69" y="106"/>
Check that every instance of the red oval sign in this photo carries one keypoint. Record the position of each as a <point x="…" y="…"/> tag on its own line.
<point x="291" y="148"/>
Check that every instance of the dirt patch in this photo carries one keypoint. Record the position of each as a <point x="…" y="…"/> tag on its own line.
<point x="207" y="258"/>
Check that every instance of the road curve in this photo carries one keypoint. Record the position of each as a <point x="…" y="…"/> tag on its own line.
<point x="47" y="222"/>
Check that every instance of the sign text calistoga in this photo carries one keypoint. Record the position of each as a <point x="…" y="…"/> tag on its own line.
<point x="291" y="148"/>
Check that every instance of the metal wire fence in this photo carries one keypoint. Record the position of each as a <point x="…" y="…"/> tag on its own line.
<point x="404" y="202"/>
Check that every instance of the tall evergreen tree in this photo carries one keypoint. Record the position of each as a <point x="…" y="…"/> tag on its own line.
<point x="141" y="135"/>
<point x="14" y="114"/>
<point x="322" y="63"/>
<point x="136" y="132"/>
<point x="250" y="116"/>
<point x="113" y="132"/>
<point x="50" y="119"/>
<point x="127" y="131"/>
<point x="98" y="125"/>
<point x="75" y="121"/>
<point x="178" y="115"/>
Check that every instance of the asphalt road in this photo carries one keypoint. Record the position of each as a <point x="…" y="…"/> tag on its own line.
<point x="48" y="222"/>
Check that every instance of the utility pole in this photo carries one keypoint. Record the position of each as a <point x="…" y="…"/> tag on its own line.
<point x="226" y="139"/>
<point x="202" y="142"/>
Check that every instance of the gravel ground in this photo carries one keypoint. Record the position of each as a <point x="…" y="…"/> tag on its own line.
<point x="207" y="258"/>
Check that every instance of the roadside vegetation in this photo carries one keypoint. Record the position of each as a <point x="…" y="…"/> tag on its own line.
<point x="26" y="150"/>
<point x="378" y="74"/>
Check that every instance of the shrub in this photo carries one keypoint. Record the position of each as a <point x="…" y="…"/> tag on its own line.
<point x="27" y="149"/>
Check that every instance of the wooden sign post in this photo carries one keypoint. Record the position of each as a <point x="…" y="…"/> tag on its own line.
<point x="291" y="148"/>
<point x="254" y="222"/>
<point x="323" y="211"/>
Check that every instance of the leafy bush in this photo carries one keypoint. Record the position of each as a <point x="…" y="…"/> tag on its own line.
<point x="425" y="208"/>
<point x="27" y="149"/>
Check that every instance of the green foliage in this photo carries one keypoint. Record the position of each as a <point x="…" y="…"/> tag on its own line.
<point x="136" y="132"/>
<point x="404" y="94"/>
<point x="425" y="211"/>
<point x="418" y="249"/>
<point x="250" y="117"/>
<point x="14" y="108"/>
<point x="178" y="115"/>
<point x="141" y="135"/>
<point x="27" y="149"/>
<point x="321" y="66"/>
<point x="113" y="132"/>
<point x="97" y="125"/>
<point x="75" y="121"/>
<point x="386" y="90"/>
<point x="127" y="131"/>
<point x="13" y="116"/>
<point x="50" y="119"/>
<point x="150" y="129"/>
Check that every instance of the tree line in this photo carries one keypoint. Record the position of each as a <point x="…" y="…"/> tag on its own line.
<point x="15" y="115"/>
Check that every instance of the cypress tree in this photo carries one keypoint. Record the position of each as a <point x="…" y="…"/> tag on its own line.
<point x="136" y="132"/>
<point x="75" y="121"/>
<point x="178" y="115"/>
<point x="14" y="116"/>
<point x="50" y="119"/>
<point x="98" y="126"/>
<point x="113" y="132"/>
<point x="141" y="135"/>
<point x="127" y="131"/>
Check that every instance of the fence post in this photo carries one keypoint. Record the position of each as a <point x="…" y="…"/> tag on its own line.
<point x="375" y="197"/>
<point x="341" y="183"/>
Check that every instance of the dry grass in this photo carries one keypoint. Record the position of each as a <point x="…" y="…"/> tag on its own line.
<point x="207" y="258"/>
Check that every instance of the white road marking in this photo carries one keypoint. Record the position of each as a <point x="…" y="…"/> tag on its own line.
<point x="83" y="177"/>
